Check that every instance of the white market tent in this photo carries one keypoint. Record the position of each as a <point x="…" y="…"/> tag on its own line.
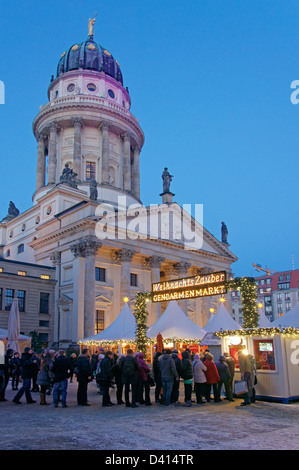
<point x="264" y="322"/>
<point x="175" y="326"/>
<point x="221" y="321"/>
<point x="123" y="329"/>
<point x="290" y="319"/>
<point x="4" y="336"/>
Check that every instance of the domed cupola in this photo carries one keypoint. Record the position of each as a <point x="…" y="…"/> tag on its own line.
<point x="87" y="127"/>
<point x="89" y="55"/>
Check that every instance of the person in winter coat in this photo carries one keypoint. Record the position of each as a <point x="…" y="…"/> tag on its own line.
<point x="157" y="379"/>
<point x="15" y="370"/>
<point x="117" y="378"/>
<point x="105" y="377"/>
<point x="43" y="379"/>
<point x="129" y="376"/>
<point x="27" y="371"/>
<point x="143" y="381"/>
<point x="187" y="375"/>
<point x="168" y="375"/>
<point x="61" y="370"/>
<point x="84" y="376"/>
<point x="212" y="378"/>
<point x="247" y="368"/>
<point x="231" y="365"/>
<point x="225" y="378"/>
<point x="6" y="373"/>
<point x="36" y="370"/>
<point x="200" y="380"/>
<point x="174" y="399"/>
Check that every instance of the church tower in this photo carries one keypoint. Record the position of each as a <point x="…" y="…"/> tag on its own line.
<point x="87" y="125"/>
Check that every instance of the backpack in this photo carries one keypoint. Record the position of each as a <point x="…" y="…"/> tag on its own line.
<point x="128" y="367"/>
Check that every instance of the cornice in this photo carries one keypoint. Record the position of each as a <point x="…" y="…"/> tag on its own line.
<point x="107" y="110"/>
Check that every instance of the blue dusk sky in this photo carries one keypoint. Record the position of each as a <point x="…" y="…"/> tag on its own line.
<point x="210" y="82"/>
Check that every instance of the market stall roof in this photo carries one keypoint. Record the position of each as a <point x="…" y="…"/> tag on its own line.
<point x="174" y="325"/>
<point x="122" y="329"/>
<point x="290" y="319"/>
<point x="221" y="321"/>
<point x="4" y="335"/>
<point x="264" y="322"/>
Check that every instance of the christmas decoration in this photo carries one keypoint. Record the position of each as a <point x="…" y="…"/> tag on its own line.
<point x="141" y="315"/>
<point x="247" y="288"/>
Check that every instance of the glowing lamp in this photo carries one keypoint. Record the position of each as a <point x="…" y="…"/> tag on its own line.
<point x="260" y="305"/>
<point x="222" y="299"/>
<point x="126" y="299"/>
<point x="212" y="310"/>
<point x="235" y="340"/>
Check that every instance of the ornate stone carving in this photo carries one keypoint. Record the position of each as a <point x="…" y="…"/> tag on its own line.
<point x="85" y="247"/>
<point x="55" y="258"/>
<point x="68" y="176"/>
<point x="181" y="268"/>
<point x="93" y="188"/>
<point x="153" y="261"/>
<point x="123" y="255"/>
<point x="104" y="126"/>
<point x="77" y="122"/>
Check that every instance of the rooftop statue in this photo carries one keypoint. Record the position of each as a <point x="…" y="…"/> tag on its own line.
<point x="93" y="186"/>
<point x="91" y="23"/>
<point x="12" y="210"/>
<point x="224" y="233"/>
<point x="167" y="178"/>
<point x="68" y="176"/>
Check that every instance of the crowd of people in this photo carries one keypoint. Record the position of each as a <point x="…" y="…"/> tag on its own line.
<point x="50" y="373"/>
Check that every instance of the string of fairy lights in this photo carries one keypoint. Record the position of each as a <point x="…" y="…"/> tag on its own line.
<point x="248" y="295"/>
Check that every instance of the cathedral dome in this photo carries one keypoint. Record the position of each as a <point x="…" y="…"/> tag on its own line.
<point x="89" y="55"/>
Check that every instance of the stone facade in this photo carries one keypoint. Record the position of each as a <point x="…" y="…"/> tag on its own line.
<point x="92" y="130"/>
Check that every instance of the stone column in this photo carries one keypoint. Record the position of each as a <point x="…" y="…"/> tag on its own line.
<point x="78" y="125"/>
<point x="125" y="257"/>
<point x="52" y="153"/>
<point x="154" y="262"/>
<point x="136" y="173"/>
<point x="55" y="258"/>
<point x="127" y="162"/>
<point x="87" y="249"/>
<point x="41" y="162"/>
<point x="105" y="152"/>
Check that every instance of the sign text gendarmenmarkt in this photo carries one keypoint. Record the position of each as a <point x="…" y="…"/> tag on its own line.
<point x="190" y="287"/>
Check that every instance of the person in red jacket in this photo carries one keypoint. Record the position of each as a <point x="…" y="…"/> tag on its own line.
<point x="212" y="378"/>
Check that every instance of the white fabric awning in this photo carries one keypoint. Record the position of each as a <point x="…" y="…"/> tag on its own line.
<point x="290" y="319"/>
<point x="175" y="325"/>
<point x="122" y="329"/>
<point x="221" y="321"/>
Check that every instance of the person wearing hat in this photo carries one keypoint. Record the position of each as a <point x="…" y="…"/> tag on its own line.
<point x="225" y="378"/>
<point x="27" y="368"/>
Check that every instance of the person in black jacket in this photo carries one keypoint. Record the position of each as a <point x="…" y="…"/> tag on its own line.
<point x="84" y="376"/>
<point x="174" y="398"/>
<point x="61" y="370"/>
<point x="225" y="378"/>
<point x="157" y="378"/>
<point x="15" y="364"/>
<point x="187" y="375"/>
<point x="27" y="368"/>
<point x="105" y="377"/>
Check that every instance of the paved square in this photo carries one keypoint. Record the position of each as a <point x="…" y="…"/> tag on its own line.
<point x="220" y="426"/>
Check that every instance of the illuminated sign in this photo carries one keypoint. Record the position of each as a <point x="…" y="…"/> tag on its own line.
<point x="190" y="287"/>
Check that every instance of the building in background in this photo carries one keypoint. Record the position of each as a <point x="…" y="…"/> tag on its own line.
<point x="88" y="148"/>
<point x="277" y="293"/>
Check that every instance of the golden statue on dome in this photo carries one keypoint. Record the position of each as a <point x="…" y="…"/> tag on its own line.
<point x="91" y="23"/>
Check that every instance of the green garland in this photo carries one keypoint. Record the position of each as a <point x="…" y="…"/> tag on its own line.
<point x="247" y="288"/>
<point x="268" y="331"/>
<point x="141" y="315"/>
